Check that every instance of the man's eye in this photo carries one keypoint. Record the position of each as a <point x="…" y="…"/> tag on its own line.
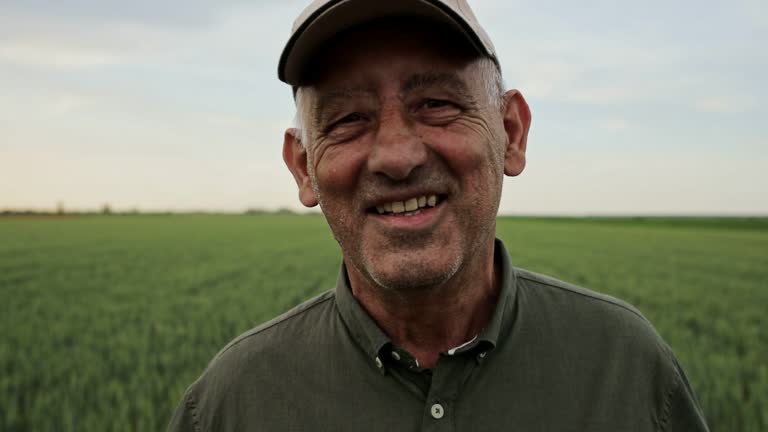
<point x="435" y="103"/>
<point x="351" y="118"/>
<point x="346" y="127"/>
<point x="437" y="111"/>
<point x="344" y="123"/>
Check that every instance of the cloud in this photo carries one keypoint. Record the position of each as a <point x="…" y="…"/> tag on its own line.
<point x="49" y="56"/>
<point x="587" y="70"/>
<point x="723" y="104"/>
<point x="125" y="75"/>
<point x="40" y="179"/>
<point x="166" y="13"/>
<point x="613" y="125"/>
<point x="674" y="184"/>
<point x="57" y="43"/>
<point x="101" y="36"/>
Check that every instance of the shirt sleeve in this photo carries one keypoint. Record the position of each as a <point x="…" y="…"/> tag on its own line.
<point x="185" y="418"/>
<point x="682" y="411"/>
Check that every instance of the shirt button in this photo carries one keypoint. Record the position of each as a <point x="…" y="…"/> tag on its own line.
<point x="379" y="364"/>
<point x="437" y="411"/>
<point x="395" y="355"/>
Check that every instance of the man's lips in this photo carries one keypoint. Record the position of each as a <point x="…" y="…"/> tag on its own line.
<point x="415" y="221"/>
<point x="407" y="206"/>
<point x="388" y="197"/>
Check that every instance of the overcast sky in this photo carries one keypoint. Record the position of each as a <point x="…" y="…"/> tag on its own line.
<point x="651" y="107"/>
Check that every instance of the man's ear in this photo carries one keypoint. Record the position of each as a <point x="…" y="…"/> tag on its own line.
<point x="517" y="122"/>
<point x="295" y="157"/>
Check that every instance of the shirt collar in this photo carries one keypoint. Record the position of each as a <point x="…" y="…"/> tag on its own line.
<point x="364" y="330"/>
<point x="503" y="314"/>
<point x="372" y="339"/>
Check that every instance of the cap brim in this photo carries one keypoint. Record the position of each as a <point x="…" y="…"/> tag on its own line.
<point x="341" y="15"/>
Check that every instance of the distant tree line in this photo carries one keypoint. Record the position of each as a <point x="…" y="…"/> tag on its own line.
<point x="107" y="210"/>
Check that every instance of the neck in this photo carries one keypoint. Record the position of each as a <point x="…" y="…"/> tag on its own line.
<point x="428" y="321"/>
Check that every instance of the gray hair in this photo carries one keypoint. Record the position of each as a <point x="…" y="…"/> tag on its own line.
<point x="489" y="75"/>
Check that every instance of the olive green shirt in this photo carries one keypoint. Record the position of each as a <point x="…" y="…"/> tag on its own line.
<point x="553" y="357"/>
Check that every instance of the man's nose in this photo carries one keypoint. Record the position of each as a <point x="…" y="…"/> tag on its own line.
<point x="398" y="149"/>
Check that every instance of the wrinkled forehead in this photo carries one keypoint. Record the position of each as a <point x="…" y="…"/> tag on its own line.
<point x="396" y="40"/>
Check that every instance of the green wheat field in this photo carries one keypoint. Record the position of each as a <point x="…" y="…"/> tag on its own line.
<point x="105" y="320"/>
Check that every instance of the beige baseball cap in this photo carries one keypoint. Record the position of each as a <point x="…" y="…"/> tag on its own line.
<point x="323" y="19"/>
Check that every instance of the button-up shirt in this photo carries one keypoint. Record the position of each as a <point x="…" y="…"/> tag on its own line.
<point x="553" y="357"/>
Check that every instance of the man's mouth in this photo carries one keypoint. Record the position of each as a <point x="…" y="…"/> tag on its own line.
<point x="409" y="207"/>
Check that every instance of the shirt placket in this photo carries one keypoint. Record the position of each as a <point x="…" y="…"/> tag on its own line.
<point x="448" y="377"/>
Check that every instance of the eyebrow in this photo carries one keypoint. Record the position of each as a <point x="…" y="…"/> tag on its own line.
<point x="449" y="80"/>
<point x="333" y="98"/>
<point x="419" y="81"/>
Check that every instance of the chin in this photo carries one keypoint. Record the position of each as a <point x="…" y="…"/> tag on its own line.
<point x="403" y="274"/>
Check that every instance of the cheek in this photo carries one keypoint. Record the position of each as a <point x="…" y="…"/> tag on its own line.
<point x="477" y="166"/>
<point x="337" y="168"/>
<point x="463" y="153"/>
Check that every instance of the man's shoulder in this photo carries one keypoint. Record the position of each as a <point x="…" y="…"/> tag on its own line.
<point x="574" y="295"/>
<point x="260" y="358"/>
<point x="288" y="328"/>
<point x="289" y="335"/>
<point x="591" y="340"/>
<point x="587" y="315"/>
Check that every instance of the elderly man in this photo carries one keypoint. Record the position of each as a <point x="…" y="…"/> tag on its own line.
<point x="404" y="140"/>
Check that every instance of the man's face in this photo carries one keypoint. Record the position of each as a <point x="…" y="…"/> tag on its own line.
<point x="401" y="120"/>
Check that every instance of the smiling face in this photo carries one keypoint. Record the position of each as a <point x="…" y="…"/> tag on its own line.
<point x="406" y="155"/>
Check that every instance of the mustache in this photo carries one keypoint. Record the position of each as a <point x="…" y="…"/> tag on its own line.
<point x="436" y="180"/>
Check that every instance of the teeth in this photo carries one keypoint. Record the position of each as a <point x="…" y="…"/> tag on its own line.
<point x="412" y="204"/>
<point x="408" y="208"/>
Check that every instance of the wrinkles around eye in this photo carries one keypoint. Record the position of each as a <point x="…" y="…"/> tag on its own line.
<point x="438" y="111"/>
<point x="344" y="121"/>
<point x="345" y="128"/>
<point x="435" y="104"/>
<point x="350" y="118"/>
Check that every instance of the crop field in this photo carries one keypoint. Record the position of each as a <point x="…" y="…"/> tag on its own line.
<point x="105" y="320"/>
